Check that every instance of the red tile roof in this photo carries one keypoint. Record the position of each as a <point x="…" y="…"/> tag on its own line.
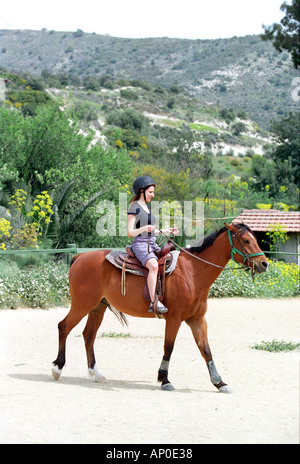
<point x="259" y="219"/>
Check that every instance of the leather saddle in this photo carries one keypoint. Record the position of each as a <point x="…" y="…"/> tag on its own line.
<point x="129" y="262"/>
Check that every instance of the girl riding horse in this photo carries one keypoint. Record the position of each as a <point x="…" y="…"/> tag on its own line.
<point x="141" y="226"/>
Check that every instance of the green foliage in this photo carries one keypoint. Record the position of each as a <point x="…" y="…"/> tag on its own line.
<point x="49" y="150"/>
<point x="238" y="127"/>
<point x="281" y="170"/>
<point x="35" y="287"/>
<point x="129" y="94"/>
<point x="276" y="346"/>
<point x="29" y="219"/>
<point x="85" y="112"/>
<point x="285" y="36"/>
<point x="228" y="115"/>
<point x="38" y="281"/>
<point x="91" y="83"/>
<point x="277" y="234"/>
<point x="115" y="335"/>
<point x="280" y="281"/>
<point x="78" y="33"/>
<point x="163" y="63"/>
<point x="4" y="232"/>
<point x="287" y="133"/>
<point x="62" y="222"/>
<point x="128" y="119"/>
<point x="28" y="100"/>
<point x="45" y="151"/>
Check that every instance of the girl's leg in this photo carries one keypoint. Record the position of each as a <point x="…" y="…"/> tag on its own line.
<point x="152" y="266"/>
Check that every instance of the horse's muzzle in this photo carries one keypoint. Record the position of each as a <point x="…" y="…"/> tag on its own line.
<point x="261" y="266"/>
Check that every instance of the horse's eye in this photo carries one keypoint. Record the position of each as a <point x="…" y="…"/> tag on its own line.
<point x="246" y="241"/>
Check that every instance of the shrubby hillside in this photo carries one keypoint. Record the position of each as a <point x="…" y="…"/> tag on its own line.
<point x="244" y="73"/>
<point x="96" y="111"/>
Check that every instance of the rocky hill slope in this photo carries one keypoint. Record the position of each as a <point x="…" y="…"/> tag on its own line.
<point x="242" y="72"/>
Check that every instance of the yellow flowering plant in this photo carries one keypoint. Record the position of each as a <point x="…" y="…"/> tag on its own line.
<point x="36" y="220"/>
<point x="277" y="234"/>
<point x="18" y="200"/>
<point x="4" y="231"/>
<point x="25" y="237"/>
<point x="41" y="211"/>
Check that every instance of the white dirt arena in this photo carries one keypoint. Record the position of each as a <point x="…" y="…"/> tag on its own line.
<point x="130" y="407"/>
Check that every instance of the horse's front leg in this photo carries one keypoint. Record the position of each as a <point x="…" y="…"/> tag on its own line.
<point x="172" y="327"/>
<point x="198" y="326"/>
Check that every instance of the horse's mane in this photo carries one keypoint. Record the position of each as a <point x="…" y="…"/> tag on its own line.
<point x="210" y="239"/>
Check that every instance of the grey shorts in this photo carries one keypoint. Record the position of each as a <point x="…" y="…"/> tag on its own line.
<point x="140" y="249"/>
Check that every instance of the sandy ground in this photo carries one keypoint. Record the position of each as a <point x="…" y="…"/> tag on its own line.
<point x="130" y="408"/>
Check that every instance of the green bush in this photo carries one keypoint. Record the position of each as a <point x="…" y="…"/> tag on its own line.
<point x="128" y="119"/>
<point x="129" y="94"/>
<point x="276" y="346"/>
<point x="38" y="287"/>
<point x="29" y="100"/>
<point x="281" y="280"/>
<point x="47" y="285"/>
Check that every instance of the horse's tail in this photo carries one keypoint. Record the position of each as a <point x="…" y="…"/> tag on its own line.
<point x="120" y="316"/>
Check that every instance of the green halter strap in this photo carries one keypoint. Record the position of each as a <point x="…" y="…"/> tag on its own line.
<point x="234" y="250"/>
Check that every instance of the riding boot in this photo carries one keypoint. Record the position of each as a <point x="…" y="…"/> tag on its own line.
<point x="160" y="308"/>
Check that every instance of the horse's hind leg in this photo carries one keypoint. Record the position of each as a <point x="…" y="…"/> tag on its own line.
<point x="172" y="327"/>
<point x="95" y="318"/>
<point x="64" y="328"/>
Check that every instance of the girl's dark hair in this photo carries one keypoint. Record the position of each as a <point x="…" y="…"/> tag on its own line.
<point x="135" y="198"/>
<point x="138" y="195"/>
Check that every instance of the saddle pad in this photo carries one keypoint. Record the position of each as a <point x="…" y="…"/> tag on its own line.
<point x="111" y="258"/>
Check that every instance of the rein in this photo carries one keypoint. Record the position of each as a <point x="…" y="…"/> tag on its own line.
<point x="233" y="251"/>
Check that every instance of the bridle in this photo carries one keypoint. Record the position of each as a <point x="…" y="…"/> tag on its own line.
<point x="233" y="251"/>
<point x="243" y="253"/>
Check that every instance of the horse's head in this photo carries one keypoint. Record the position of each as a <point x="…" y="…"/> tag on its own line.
<point x="245" y="249"/>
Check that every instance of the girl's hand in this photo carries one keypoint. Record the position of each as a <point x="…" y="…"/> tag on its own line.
<point x="171" y="230"/>
<point x="148" y="228"/>
<point x="174" y="230"/>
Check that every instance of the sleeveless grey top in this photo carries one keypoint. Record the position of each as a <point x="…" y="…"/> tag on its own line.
<point x="142" y="218"/>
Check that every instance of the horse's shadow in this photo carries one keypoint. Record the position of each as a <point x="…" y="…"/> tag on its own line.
<point x="109" y="384"/>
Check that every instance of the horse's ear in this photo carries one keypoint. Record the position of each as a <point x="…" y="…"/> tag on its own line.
<point x="229" y="227"/>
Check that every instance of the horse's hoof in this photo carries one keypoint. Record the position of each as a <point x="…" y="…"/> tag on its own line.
<point x="167" y="387"/>
<point x="225" y="389"/>
<point x="56" y="372"/>
<point x="100" y="378"/>
<point x="94" y="372"/>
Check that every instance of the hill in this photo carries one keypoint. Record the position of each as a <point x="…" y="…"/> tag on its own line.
<point x="164" y="116"/>
<point x="244" y="73"/>
<point x="143" y="129"/>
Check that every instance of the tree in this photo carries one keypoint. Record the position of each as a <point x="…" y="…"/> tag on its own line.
<point x="287" y="132"/>
<point x="286" y="35"/>
<point x="49" y="141"/>
<point x="62" y="220"/>
<point x="91" y="83"/>
<point x="45" y="151"/>
<point x="238" y="127"/>
<point x="129" y="119"/>
<point x="185" y="150"/>
<point x="263" y="173"/>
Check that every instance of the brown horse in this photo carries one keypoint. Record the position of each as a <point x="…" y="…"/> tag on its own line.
<point x="95" y="285"/>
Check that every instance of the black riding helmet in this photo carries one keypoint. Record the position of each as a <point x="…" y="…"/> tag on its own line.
<point x="142" y="183"/>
